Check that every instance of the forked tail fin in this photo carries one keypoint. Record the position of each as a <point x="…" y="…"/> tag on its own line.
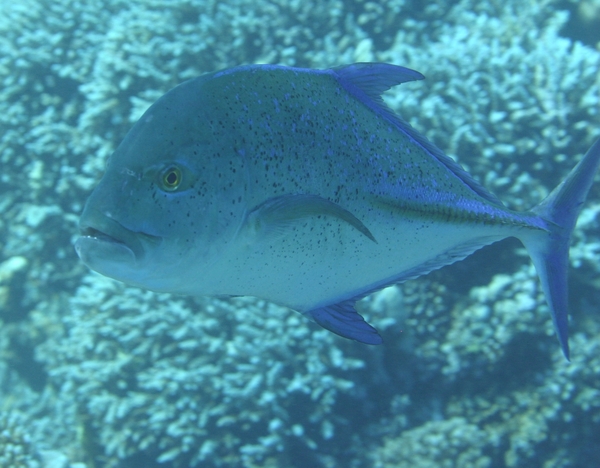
<point x="550" y="254"/>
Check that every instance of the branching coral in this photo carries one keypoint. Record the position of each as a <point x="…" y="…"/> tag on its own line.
<point x="240" y="382"/>
<point x="514" y="108"/>
<point x="224" y="382"/>
<point x="15" y="444"/>
<point x="437" y="444"/>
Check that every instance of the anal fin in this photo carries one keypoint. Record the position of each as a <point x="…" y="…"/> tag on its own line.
<point x="343" y="320"/>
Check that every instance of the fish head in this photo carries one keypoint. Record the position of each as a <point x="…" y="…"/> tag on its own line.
<point x="170" y="201"/>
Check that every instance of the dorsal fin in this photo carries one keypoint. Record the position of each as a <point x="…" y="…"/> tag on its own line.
<point x="367" y="81"/>
<point x="373" y="79"/>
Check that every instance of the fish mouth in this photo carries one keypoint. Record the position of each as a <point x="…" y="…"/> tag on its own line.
<point x="99" y="235"/>
<point x="103" y="239"/>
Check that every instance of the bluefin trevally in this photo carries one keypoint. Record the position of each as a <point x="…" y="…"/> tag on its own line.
<point x="303" y="188"/>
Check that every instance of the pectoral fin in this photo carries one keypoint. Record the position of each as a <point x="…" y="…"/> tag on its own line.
<point x="276" y="215"/>
<point x="342" y="319"/>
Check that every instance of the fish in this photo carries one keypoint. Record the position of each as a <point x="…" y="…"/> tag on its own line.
<point x="303" y="188"/>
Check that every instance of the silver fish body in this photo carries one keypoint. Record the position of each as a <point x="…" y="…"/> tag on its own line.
<point x="301" y="187"/>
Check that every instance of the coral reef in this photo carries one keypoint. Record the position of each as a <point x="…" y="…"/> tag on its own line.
<point x="517" y="407"/>
<point x="96" y="374"/>
<point x="515" y="123"/>
<point x="437" y="444"/>
<point x="15" y="444"/>
<point x="21" y="446"/>
<point x="540" y="419"/>
<point x="225" y="382"/>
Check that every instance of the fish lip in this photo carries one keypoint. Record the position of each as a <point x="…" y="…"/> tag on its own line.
<point x="91" y="232"/>
<point x="106" y="230"/>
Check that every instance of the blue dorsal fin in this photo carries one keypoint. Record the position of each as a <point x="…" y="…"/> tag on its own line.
<point x="374" y="79"/>
<point x="367" y="81"/>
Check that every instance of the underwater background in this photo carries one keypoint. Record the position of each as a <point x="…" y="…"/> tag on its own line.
<point x="96" y="374"/>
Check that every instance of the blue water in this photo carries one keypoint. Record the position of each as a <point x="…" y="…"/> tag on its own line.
<point x="96" y="374"/>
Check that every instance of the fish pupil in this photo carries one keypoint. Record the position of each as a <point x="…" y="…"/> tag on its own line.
<point x="172" y="178"/>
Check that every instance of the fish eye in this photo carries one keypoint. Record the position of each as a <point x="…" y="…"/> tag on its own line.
<point x="171" y="178"/>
